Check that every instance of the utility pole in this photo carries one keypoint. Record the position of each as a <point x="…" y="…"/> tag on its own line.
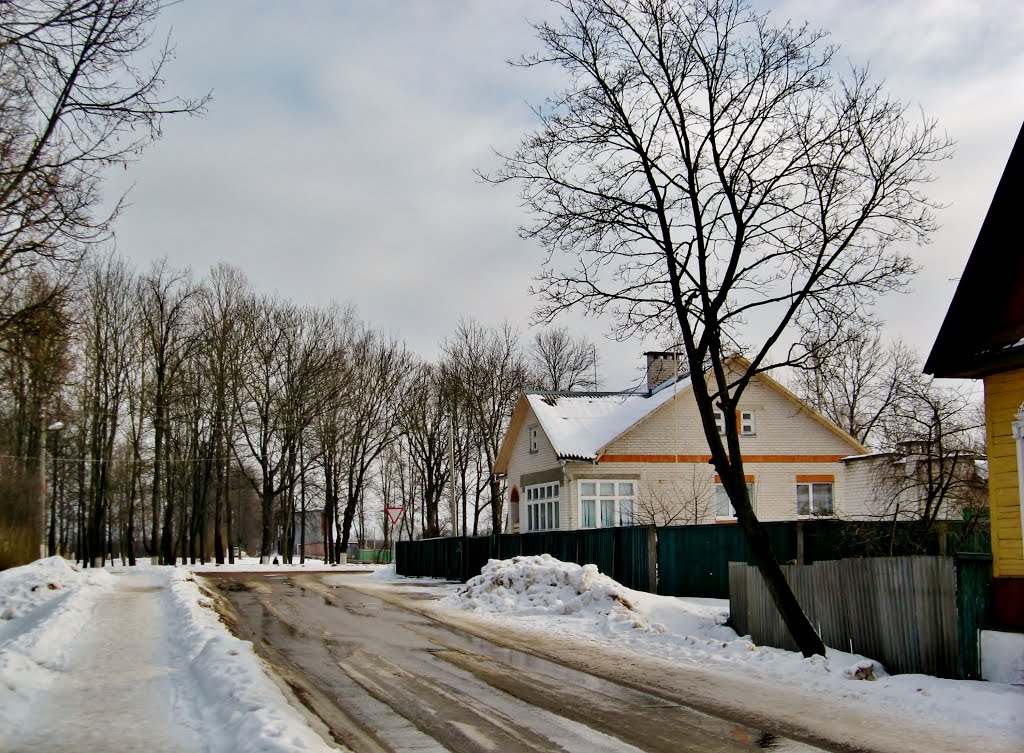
<point x="451" y="473"/>
<point x="43" y="428"/>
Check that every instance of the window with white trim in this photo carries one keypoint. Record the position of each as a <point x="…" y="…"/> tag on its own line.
<point x="814" y="499"/>
<point x="720" y="422"/>
<point x="534" y="438"/>
<point x="606" y="504"/>
<point x="723" y="505"/>
<point x="748" y="423"/>
<point x="542" y="513"/>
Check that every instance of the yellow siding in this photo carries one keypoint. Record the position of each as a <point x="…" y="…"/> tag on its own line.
<point x="1004" y="394"/>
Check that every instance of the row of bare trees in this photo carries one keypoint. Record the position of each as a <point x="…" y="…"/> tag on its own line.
<point x="194" y="411"/>
<point x="930" y="436"/>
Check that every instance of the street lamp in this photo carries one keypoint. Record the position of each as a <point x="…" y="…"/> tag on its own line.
<point x="55" y="426"/>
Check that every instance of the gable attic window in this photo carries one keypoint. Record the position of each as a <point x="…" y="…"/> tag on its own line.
<point x="748" y="423"/>
<point x="534" y="438"/>
<point x="746" y="419"/>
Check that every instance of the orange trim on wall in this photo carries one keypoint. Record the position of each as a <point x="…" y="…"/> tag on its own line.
<point x="748" y="477"/>
<point x="707" y="458"/>
<point x="824" y="478"/>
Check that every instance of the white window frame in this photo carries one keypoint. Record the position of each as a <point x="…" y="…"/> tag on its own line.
<point x="720" y="491"/>
<point x="541" y="503"/>
<point x="622" y="497"/>
<point x="812" y="512"/>
<point x="748" y="423"/>
<point x="720" y="422"/>
<point x="534" y="439"/>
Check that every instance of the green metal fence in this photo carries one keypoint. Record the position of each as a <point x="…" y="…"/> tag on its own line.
<point x="627" y="554"/>
<point x="684" y="560"/>
<point x="694" y="560"/>
<point x="973" y="605"/>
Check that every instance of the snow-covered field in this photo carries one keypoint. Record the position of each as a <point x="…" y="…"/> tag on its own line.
<point x="546" y="595"/>
<point x="172" y="677"/>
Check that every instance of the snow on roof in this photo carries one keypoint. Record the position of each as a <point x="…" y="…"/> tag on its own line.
<point x="579" y="425"/>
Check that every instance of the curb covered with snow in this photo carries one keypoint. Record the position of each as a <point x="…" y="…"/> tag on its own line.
<point x="43" y="606"/>
<point x="233" y="693"/>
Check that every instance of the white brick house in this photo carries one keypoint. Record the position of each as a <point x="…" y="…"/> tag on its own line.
<point x="591" y="460"/>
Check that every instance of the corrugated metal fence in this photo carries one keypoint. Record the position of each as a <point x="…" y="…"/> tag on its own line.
<point x="907" y="612"/>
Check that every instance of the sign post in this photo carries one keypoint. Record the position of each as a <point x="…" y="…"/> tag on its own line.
<point x="394" y="515"/>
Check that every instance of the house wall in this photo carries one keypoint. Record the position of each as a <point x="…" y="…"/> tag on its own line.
<point x="523" y="463"/>
<point x="1004" y="394"/>
<point x="667" y="453"/>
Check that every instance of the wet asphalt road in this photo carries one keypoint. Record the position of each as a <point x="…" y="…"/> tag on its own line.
<point x="383" y="678"/>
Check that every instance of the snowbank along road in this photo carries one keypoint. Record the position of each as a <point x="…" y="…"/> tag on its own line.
<point x="384" y="677"/>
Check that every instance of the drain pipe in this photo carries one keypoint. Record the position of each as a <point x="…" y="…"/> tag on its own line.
<point x="1018" y="435"/>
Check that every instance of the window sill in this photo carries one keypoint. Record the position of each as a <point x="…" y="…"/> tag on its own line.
<point x="726" y="520"/>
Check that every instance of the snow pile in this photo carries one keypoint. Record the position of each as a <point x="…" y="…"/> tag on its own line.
<point x="235" y="696"/>
<point x="541" y="595"/>
<point x="543" y="585"/>
<point x="43" y="606"/>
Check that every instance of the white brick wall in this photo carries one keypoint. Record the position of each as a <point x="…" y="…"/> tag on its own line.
<point x="683" y="492"/>
<point x="522" y="461"/>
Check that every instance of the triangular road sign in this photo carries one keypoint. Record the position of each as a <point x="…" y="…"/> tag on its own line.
<point x="394" y="513"/>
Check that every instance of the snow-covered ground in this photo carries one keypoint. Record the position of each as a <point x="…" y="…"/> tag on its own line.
<point x="545" y="595"/>
<point x="248" y="565"/>
<point x="90" y="659"/>
<point x="173" y="677"/>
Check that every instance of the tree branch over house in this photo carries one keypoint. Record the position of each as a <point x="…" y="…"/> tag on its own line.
<point x="705" y="171"/>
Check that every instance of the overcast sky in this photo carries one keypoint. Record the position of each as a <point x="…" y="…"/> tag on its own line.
<point x="336" y="161"/>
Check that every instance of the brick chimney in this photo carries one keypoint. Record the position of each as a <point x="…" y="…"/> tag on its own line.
<point x="661" y="365"/>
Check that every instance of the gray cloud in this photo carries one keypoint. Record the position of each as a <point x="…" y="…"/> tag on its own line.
<point x="337" y="158"/>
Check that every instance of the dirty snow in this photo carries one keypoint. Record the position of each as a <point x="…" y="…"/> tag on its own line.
<point x="544" y="594"/>
<point x="89" y="657"/>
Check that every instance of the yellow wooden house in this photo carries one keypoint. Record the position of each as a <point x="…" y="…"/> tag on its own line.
<point x="982" y="337"/>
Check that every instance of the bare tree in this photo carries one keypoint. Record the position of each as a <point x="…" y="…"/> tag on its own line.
<point x="220" y="305"/>
<point x="107" y="334"/>
<point x="425" y="418"/>
<point x="704" y="171"/>
<point x="35" y="363"/>
<point x="165" y="298"/>
<point x="935" y="437"/>
<point x="562" y="362"/>
<point x="487" y="372"/>
<point x="857" y="381"/>
<point x="370" y="416"/>
<point x="79" y="93"/>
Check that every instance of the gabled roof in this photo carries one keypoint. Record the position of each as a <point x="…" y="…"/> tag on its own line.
<point x="581" y="425"/>
<point x="983" y="332"/>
